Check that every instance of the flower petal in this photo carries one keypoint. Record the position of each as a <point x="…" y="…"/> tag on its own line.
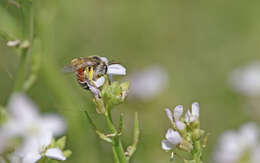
<point x="45" y="138"/>
<point x="173" y="136"/>
<point x="116" y="69"/>
<point x="55" y="153"/>
<point x="53" y="123"/>
<point x="99" y="82"/>
<point x="187" y="116"/>
<point x="169" y="114"/>
<point x="31" y="157"/>
<point x="167" y="145"/>
<point x="22" y="109"/>
<point x="195" y="109"/>
<point x="180" y="125"/>
<point x="178" y="110"/>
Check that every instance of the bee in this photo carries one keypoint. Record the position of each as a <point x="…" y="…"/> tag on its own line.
<point x="90" y="72"/>
<point x="88" y="69"/>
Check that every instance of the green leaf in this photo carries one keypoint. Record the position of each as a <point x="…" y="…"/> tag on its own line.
<point x="60" y="143"/>
<point x="67" y="153"/>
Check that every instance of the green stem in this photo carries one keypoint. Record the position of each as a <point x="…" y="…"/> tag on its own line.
<point x="115" y="155"/>
<point x="20" y="78"/>
<point x="117" y="147"/>
<point x="196" y="152"/>
<point x="18" y="85"/>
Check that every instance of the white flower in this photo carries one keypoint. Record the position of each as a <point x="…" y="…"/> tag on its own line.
<point x="147" y="84"/>
<point x="194" y="114"/>
<point x="25" y="121"/>
<point x="233" y="145"/>
<point x="246" y="80"/>
<point x="36" y="147"/>
<point x="173" y="138"/>
<point x="178" y="110"/>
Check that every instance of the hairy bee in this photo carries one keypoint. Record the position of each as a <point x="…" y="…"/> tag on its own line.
<point x="88" y="70"/>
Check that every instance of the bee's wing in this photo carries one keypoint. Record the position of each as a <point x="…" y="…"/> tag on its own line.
<point x="68" y="68"/>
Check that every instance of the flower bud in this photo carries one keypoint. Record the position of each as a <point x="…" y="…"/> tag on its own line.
<point x="100" y="107"/>
<point x="195" y="124"/>
<point x="125" y="89"/>
<point x="196" y="134"/>
<point x="186" y="146"/>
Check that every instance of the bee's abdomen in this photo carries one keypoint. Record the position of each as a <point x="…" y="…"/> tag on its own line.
<point x="80" y="75"/>
<point x="81" y="78"/>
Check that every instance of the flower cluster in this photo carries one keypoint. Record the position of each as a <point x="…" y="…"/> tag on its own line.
<point x="239" y="146"/>
<point x="185" y="133"/>
<point x="37" y="132"/>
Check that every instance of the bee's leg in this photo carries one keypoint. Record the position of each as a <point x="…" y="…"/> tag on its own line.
<point x="83" y="84"/>
<point x="86" y="72"/>
<point x="91" y="74"/>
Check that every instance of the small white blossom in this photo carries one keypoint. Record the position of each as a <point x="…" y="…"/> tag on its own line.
<point x="147" y="84"/>
<point x="36" y="147"/>
<point x="25" y="121"/>
<point x="173" y="138"/>
<point x="194" y="114"/>
<point x="246" y="80"/>
<point x="233" y="145"/>
<point x="177" y="113"/>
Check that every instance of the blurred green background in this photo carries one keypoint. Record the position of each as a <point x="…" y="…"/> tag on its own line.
<point x="198" y="43"/>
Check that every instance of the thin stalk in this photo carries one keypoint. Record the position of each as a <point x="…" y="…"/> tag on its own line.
<point x="115" y="155"/>
<point x="20" y="77"/>
<point x="117" y="147"/>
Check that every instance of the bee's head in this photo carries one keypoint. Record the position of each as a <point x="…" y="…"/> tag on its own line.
<point x="101" y="69"/>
